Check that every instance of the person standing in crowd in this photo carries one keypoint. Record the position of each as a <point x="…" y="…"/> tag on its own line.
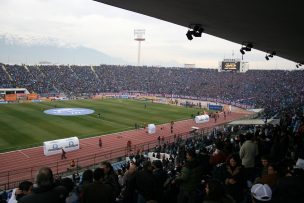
<point x="87" y="179"/>
<point x="129" y="194"/>
<point x="98" y="191"/>
<point x="45" y="191"/>
<point x="161" y="177"/>
<point x="248" y="153"/>
<point x="146" y="184"/>
<point x="111" y="178"/>
<point x="190" y="178"/>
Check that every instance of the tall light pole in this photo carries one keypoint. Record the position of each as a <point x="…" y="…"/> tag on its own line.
<point x="139" y="35"/>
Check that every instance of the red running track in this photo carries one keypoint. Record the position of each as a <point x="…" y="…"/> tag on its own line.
<point x="23" y="164"/>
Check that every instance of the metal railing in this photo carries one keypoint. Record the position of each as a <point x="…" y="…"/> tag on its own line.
<point x="11" y="179"/>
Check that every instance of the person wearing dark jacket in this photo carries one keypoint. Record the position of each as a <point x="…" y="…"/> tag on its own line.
<point x="190" y="178"/>
<point x="215" y="193"/>
<point x="98" y="191"/>
<point x="111" y="178"/>
<point x="161" y="177"/>
<point x="232" y="176"/>
<point x="146" y="184"/>
<point x="128" y="192"/>
<point x="45" y="191"/>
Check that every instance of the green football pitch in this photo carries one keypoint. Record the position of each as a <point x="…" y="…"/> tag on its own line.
<point x="26" y="125"/>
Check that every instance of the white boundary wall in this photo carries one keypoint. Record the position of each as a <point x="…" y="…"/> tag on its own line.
<point x="55" y="146"/>
<point x="201" y="119"/>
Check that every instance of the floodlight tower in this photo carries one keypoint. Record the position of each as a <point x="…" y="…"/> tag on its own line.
<point x="139" y="35"/>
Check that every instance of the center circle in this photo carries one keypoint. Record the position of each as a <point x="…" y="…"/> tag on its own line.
<point x="68" y="111"/>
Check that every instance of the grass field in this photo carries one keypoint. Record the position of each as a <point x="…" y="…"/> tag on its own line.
<point x="25" y="125"/>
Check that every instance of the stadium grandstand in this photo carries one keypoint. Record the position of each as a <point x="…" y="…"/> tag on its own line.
<point x="279" y="93"/>
<point x="273" y="90"/>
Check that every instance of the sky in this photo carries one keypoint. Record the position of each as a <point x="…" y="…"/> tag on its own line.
<point x="86" y="23"/>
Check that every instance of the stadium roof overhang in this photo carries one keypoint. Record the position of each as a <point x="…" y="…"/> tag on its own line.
<point x="270" y="25"/>
<point x="254" y="122"/>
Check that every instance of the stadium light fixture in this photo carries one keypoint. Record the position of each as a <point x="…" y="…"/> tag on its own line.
<point x="247" y="48"/>
<point x="298" y="65"/>
<point x="189" y="35"/>
<point x="195" y="30"/>
<point x="242" y="51"/>
<point x="267" y="57"/>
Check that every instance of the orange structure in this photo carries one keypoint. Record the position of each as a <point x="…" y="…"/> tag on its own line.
<point x="10" y="97"/>
<point x="32" y="96"/>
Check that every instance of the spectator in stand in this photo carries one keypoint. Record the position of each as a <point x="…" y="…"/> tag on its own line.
<point x="248" y="153"/>
<point x="128" y="192"/>
<point x="24" y="188"/>
<point x="45" y="190"/>
<point x="290" y="186"/>
<point x="218" y="155"/>
<point x="190" y="177"/>
<point x="87" y="178"/>
<point x="264" y="167"/>
<point x="251" y="88"/>
<point x="261" y="193"/>
<point x="146" y="184"/>
<point x="72" y="196"/>
<point x="111" y="178"/>
<point x="98" y="191"/>
<point x="232" y="175"/>
<point x="271" y="177"/>
<point x="215" y="193"/>
<point x="161" y="177"/>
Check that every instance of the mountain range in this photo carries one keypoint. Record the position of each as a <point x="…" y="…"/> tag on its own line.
<point x="14" y="50"/>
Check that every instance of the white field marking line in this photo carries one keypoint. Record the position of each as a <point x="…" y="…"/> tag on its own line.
<point x="21" y="150"/>
<point x="27" y="156"/>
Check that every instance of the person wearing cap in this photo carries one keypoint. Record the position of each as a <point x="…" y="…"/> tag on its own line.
<point x="261" y="193"/>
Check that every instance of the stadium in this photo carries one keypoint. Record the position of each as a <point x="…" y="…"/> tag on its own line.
<point x="154" y="134"/>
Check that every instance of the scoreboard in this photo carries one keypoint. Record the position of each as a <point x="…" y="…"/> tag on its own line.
<point x="231" y="66"/>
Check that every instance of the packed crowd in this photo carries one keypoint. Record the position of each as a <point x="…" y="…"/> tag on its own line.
<point x="236" y="164"/>
<point x="270" y="89"/>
